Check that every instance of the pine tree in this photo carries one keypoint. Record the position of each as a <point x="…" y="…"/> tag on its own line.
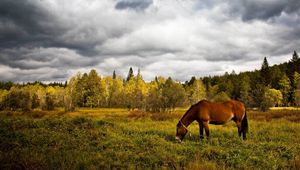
<point x="293" y="66"/>
<point x="265" y="72"/>
<point x="130" y="74"/>
<point x="114" y="75"/>
<point x="295" y="57"/>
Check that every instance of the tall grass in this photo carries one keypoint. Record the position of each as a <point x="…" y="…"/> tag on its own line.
<point x="117" y="139"/>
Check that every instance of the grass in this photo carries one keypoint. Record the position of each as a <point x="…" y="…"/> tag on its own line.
<point x="118" y="139"/>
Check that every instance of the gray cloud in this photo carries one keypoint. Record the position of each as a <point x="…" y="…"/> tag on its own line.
<point x="51" y="40"/>
<point x="133" y="4"/>
<point x="264" y="10"/>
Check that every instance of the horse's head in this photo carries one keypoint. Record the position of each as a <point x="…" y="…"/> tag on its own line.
<point x="180" y="131"/>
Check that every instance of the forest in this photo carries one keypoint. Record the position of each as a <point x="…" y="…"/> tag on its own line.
<point x="271" y="86"/>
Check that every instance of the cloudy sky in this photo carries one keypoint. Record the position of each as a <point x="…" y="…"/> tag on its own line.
<point x="51" y="40"/>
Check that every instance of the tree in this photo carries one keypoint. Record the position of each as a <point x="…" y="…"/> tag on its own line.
<point x="244" y="90"/>
<point x="221" y="97"/>
<point x="273" y="97"/>
<point x="3" y="96"/>
<point x="49" y="99"/>
<point x="173" y="94"/>
<point x="265" y="72"/>
<point x="285" y="87"/>
<point x="195" y="91"/>
<point x="276" y="75"/>
<point x="258" y="92"/>
<point x="71" y="94"/>
<point x="18" y="98"/>
<point x="114" y="75"/>
<point x="293" y="66"/>
<point x="130" y="74"/>
<point x="297" y="88"/>
<point x="140" y="91"/>
<point x="96" y="90"/>
<point x="116" y="96"/>
<point x="154" y="98"/>
<point x="295" y="57"/>
<point x="129" y="90"/>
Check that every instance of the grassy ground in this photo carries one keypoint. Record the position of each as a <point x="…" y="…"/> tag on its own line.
<point x="117" y="139"/>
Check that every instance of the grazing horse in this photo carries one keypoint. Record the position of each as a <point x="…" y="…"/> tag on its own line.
<point x="206" y="112"/>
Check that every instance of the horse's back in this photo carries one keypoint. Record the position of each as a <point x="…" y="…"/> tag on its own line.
<point x="220" y="112"/>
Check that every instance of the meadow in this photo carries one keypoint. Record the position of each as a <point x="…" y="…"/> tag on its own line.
<point x="119" y="139"/>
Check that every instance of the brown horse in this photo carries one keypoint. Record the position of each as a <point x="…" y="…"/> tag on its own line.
<point x="206" y="112"/>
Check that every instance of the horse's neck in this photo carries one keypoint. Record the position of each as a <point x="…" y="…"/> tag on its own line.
<point x="188" y="118"/>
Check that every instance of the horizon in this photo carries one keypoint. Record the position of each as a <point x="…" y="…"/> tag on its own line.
<point x="57" y="39"/>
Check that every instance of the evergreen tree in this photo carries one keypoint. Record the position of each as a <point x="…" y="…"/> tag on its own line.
<point x="114" y="75"/>
<point x="293" y="66"/>
<point x="295" y="57"/>
<point x="265" y="72"/>
<point x="130" y="74"/>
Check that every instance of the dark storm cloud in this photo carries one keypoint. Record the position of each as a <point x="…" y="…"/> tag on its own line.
<point x="23" y="23"/>
<point x="264" y="10"/>
<point x="133" y="4"/>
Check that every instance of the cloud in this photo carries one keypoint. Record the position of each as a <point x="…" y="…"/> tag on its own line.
<point x="133" y="4"/>
<point x="52" y="39"/>
<point x="264" y="10"/>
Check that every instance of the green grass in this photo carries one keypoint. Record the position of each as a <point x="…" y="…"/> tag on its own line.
<point x="116" y="139"/>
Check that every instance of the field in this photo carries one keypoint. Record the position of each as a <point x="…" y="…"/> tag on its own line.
<point x="118" y="139"/>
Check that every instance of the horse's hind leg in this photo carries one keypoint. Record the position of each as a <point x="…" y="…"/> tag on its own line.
<point x="239" y="126"/>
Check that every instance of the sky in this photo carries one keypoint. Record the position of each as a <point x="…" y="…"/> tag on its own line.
<point x="52" y="40"/>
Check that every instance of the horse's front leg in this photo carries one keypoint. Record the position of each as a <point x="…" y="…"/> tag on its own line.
<point x="205" y="124"/>
<point x="201" y="130"/>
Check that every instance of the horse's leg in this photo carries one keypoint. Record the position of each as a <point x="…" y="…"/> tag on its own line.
<point x="239" y="126"/>
<point x="205" y="124"/>
<point x="201" y="130"/>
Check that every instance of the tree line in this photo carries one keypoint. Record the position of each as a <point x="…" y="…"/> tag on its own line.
<point x="277" y="85"/>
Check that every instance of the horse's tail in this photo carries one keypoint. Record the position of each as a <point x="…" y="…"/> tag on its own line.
<point x="245" y="123"/>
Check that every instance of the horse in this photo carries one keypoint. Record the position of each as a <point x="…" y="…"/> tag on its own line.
<point x="218" y="113"/>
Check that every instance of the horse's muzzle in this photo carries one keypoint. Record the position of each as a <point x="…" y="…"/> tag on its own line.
<point x="178" y="140"/>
